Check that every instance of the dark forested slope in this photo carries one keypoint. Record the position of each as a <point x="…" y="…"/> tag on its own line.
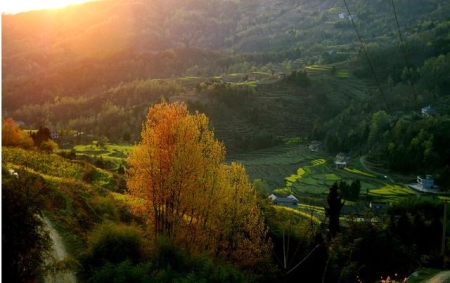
<point x="92" y="67"/>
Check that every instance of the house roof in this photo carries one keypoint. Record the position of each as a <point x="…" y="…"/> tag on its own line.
<point x="289" y="198"/>
<point x="429" y="110"/>
<point x="273" y="197"/>
<point x="286" y="200"/>
<point x="342" y="157"/>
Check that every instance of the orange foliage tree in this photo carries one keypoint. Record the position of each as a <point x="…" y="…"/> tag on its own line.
<point x="189" y="195"/>
<point x="12" y="135"/>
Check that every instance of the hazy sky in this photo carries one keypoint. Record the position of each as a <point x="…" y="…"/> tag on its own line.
<point x="17" y="6"/>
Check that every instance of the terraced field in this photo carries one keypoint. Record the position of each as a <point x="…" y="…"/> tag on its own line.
<point x="340" y="87"/>
<point x="293" y="169"/>
<point x="278" y="109"/>
<point x="113" y="153"/>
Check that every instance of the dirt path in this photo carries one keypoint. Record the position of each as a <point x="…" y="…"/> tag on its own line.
<point x="59" y="253"/>
<point x="441" y="277"/>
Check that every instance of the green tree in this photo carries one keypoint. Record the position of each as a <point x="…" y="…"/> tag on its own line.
<point x="355" y="188"/>
<point x="25" y="243"/>
<point x="350" y="191"/>
<point x="333" y="210"/>
<point x="42" y="135"/>
<point x="333" y="70"/>
<point x="417" y="222"/>
<point x="48" y="146"/>
<point x="378" y="126"/>
<point x="103" y="142"/>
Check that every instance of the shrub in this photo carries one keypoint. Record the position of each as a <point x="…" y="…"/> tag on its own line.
<point x="123" y="272"/>
<point x="48" y="146"/>
<point x="111" y="243"/>
<point x="25" y="243"/>
<point x="105" y="206"/>
<point x="168" y="263"/>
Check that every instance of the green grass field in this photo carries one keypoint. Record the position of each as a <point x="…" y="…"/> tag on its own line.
<point x="114" y="153"/>
<point x="391" y="192"/>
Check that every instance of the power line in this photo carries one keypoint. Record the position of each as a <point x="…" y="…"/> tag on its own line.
<point x="367" y="57"/>
<point x="402" y="46"/>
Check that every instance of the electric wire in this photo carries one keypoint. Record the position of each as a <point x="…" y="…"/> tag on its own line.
<point x="368" y="59"/>
<point x="403" y="49"/>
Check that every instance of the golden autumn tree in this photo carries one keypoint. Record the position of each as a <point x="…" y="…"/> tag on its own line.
<point x="189" y="195"/>
<point x="240" y="219"/>
<point x="12" y="135"/>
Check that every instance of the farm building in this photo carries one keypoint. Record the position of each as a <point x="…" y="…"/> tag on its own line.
<point x="315" y="146"/>
<point x="425" y="184"/>
<point x="54" y="135"/>
<point x="341" y="160"/>
<point x="428" y="111"/>
<point x="289" y="201"/>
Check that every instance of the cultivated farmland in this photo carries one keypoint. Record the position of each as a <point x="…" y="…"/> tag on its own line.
<point x="293" y="169"/>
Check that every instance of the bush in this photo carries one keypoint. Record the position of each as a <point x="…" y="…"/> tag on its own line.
<point x="48" y="146"/>
<point x="123" y="272"/>
<point x="111" y="243"/>
<point x="25" y="243"/>
<point x="167" y="263"/>
<point x="106" y="207"/>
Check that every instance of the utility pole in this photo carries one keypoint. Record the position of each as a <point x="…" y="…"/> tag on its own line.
<point x="444" y="228"/>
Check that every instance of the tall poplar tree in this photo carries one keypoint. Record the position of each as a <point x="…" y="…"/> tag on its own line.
<point x="333" y="210"/>
<point x="189" y="195"/>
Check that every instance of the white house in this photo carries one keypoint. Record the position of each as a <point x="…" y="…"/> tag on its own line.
<point x="426" y="183"/>
<point x="428" y="111"/>
<point x="341" y="160"/>
<point x="54" y="135"/>
<point x="289" y="201"/>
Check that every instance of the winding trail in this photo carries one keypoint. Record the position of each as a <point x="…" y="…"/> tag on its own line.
<point x="441" y="277"/>
<point x="59" y="253"/>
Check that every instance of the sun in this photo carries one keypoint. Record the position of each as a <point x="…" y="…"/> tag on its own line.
<point x="18" y="6"/>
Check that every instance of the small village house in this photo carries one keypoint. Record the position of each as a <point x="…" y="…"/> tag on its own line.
<point x="341" y="160"/>
<point x="425" y="184"/>
<point x="315" y="146"/>
<point x="428" y="111"/>
<point x="289" y="201"/>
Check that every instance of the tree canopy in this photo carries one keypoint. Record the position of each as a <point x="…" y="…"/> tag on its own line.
<point x="333" y="209"/>
<point x="26" y="244"/>
<point x="12" y="135"/>
<point x="189" y="195"/>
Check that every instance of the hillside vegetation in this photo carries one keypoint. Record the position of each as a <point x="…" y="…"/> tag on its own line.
<point x="262" y="70"/>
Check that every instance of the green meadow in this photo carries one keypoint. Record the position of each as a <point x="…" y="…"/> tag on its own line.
<point x="113" y="153"/>
<point x="391" y="192"/>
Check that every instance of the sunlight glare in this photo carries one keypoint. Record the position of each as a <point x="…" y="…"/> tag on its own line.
<point x="18" y="6"/>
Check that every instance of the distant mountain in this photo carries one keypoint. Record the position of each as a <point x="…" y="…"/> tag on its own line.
<point x="60" y="67"/>
<point x="35" y="40"/>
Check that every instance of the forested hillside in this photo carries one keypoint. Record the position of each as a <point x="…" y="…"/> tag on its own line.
<point x="95" y="68"/>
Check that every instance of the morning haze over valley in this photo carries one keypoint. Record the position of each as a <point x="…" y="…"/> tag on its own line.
<point x="226" y="141"/>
